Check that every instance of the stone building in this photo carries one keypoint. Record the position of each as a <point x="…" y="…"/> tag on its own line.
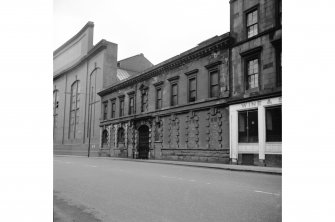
<point x="174" y="110"/>
<point x="80" y="70"/>
<point x="256" y="75"/>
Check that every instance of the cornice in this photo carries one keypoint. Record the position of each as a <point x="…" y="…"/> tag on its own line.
<point x="158" y="83"/>
<point x="173" y="63"/>
<point x="211" y="65"/>
<point x="173" y="78"/>
<point x="97" y="48"/>
<point x="191" y="72"/>
<point x="88" y="24"/>
<point x="251" y="51"/>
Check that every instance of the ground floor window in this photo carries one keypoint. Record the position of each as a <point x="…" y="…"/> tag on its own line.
<point x="248" y="126"/>
<point x="104" y="137"/>
<point x="273" y="124"/>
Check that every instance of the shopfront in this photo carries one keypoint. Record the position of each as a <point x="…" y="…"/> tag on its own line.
<point x="256" y="132"/>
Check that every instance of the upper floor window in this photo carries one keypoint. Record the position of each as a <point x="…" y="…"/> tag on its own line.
<point x="174" y="94"/>
<point x="192" y="89"/>
<point x="144" y="100"/>
<point x="214" y="88"/>
<point x="105" y="110"/>
<point x="131" y="104"/>
<point x="74" y="109"/>
<point x="252" y="23"/>
<point x="113" y="108"/>
<point x="158" y="98"/>
<point x="121" y="113"/>
<point x="279" y="67"/>
<point x="252" y="73"/>
<point x="279" y="13"/>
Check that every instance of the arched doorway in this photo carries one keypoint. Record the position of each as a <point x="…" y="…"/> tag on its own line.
<point x="143" y="144"/>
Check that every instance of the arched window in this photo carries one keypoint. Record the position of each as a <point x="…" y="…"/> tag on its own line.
<point x="104" y="137"/>
<point x="55" y="108"/>
<point x="120" y="135"/>
<point x="74" y="109"/>
<point x="92" y="103"/>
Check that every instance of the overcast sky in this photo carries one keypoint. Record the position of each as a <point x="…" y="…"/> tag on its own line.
<point x="160" y="29"/>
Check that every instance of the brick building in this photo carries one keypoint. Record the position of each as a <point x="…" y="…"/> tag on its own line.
<point x="80" y="70"/>
<point x="256" y="77"/>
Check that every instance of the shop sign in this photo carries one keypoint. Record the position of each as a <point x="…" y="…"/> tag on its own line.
<point x="255" y="104"/>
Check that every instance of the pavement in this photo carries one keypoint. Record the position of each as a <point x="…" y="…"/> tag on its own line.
<point x="247" y="168"/>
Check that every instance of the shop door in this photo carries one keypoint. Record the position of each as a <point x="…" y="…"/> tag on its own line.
<point x="143" y="147"/>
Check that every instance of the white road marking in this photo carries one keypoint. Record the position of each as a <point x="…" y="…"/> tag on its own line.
<point x="208" y="183"/>
<point x="68" y="162"/>
<point x="258" y="191"/>
<point x="191" y="180"/>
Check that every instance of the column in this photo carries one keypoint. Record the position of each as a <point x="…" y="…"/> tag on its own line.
<point x="233" y="136"/>
<point x="261" y="134"/>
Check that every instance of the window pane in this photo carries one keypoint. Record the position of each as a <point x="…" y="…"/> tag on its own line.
<point x="242" y="127"/>
<point x="214" y="78"/>
<point x="253" y="126"/>
<point x="192" y="84"/>
<point x="174" y="89"/>
<point x="273" y="124"/>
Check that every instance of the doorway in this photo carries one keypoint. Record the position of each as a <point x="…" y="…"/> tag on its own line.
<point x="143" y="144"/>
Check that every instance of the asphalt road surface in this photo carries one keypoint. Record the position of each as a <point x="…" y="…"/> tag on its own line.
<point x="102" y="189"/>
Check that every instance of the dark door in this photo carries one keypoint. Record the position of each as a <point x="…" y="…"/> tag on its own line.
<point x="143" y="146"/>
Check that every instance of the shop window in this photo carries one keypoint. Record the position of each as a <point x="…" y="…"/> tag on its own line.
<point x="113" y="108"/>
<point x="273" y="124"/>
<point x="174" y="94"/>
<point x="158" y="98"/>
<point x="252" y="23"/>
<point x="120" y="135"/>
<point x="248" y="126"/>
<point x="214" y="83"/>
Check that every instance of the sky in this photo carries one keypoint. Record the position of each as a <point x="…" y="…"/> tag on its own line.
<point x="160" y="29"/>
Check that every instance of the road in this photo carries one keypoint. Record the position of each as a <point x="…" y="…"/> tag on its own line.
<point x="102" y="189"/>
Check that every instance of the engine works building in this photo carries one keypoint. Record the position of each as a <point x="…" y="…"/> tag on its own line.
<point x="217" y="102"/>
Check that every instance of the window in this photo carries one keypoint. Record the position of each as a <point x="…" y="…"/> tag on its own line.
<point x="121" y="106"/>
<point x="144" y="100"/>
<point x="214" y="83"/>
<point x="174" y="94"/>
<point x="120" y="135"/>
<point x="252" y="73"/>
<point x="104" y="138"/>
<point x="105" y="110"/>
<point x="252" y="23"/>
<point x="157" y="131"/>
<point x="273" y="124"/>
<point x="192" y="89"/>
<point x="55" y="107"/>
<point x="278" y="66"/>
<point x="131" y="105"/>
<point x="279" y="13"/>
<point x="113" y="108"/>
<point x="74" y="109"/>
<point x="248" y="126"/>
<point x="158" y="98"/>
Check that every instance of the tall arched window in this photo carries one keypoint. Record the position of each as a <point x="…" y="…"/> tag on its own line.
<point x="74" y="109"/>
<point x="92" y="99"/>
<point x="55" y="108"/>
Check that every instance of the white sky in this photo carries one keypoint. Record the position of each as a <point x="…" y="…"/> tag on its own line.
<point x="160" y="29"/>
